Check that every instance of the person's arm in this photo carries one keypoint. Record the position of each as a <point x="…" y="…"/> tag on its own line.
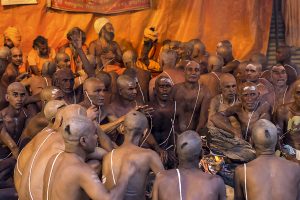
<point x="9" y="142"/>
<point x="118" y="52"/>
<point x="204" y="109"/>
<point x="155" y="163"/>
<point x="230" y="67"/>
<point x="238" y="187"/>
<point x="154" y="145"/>
<point x="213" y="109"/>
<point x="113" y="124"/>
<point x="104" y="140"/>
<point x="155" y="189"/>
<point x="221" y="121"/>
<point x="221" y="189"/>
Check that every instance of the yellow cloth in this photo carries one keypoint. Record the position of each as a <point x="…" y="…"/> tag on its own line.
<point x="13" y="34"/>
<point x="114" y="68"/>
<point x="34" y="59"/>
<point x="153" y="66"/>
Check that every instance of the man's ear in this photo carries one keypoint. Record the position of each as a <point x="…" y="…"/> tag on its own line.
<point x="6" y="97"/>
<point x="82" y="141"/>
<point x="122" y="129"/>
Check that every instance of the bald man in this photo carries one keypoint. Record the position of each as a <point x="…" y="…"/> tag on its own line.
<point x="13" y="120"/>
<point x="62" y="60"/>
<point x="226" y="99"/>
<point x="64" y="80"/>
<point x="107" y="80"/>
<point x="212" y="79"/>
<point x="141" y="76"/>
<point x="50" y="143"/>
<point x="5" y="55"/>
<point x="224" y="49"/>
<point x="167" y="62"/>
<point x="188" y="182"/>
<point x="282" y="176"/>
<point x="135" y="125"/>
<point x="247" y="112"/>
<point x="11" y="73"/>
<point x="50" y="110"/>
<point x="192" y="100"/>
<point x="39" y="121"/>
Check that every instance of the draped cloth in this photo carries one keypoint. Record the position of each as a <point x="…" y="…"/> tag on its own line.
<point x="291" y="16"/>
<point x="245" y="23"/>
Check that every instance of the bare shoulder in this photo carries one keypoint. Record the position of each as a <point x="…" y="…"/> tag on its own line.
<point x="283" y="109"/>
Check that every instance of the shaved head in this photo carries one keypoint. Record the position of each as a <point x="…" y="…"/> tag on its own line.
<point x="124" y="80"/>
<point x="135" y="122"/>
<point x="264" y="135"/>
<point x="48" y="69"/>
<point x="168" y="58"/>
<point x="215" y="63"/>
<point x="88" y="83"/>
<point x="51" y="93"/>
<point x="52" y="107"/>
<point x="62" y="60"/>
<point x="226" y="77"/>
<point x="5" y="53"/>
<point x="129" y="55"/>
<point x="15" y="86"/>
<point x="189" y="146"/>
<point x="105" y="78"/>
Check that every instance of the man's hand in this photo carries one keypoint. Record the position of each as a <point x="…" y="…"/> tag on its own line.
<point x="93" y="113"/>
<point x="145" y="109"/>
<point x="77" y="40"/>
<point x="22" y="76"/>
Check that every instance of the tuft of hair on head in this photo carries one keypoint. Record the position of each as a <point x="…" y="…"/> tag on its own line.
<point x="91" y="81"/>
<point x="135" y="122"/>
<point x="52" y="107"/>
<point x="189" y="146"/>
<point x="123" y="80"/>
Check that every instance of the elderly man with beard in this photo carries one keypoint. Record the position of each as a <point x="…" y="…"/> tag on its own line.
<point x="107" y="52"/>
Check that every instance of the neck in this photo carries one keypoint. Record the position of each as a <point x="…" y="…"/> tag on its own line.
<point x="188" y="165"/>
<point x="296" y="106"/>
<point x="264" y="152"/>
<point x="229" y="100"/>
<point x="12" y="110"/>
<point x="191" y="85"/>
<point x="124" y="102"/>
<point x="161" y="103"/>
<point x="280" y="87"/>
<point x="129" y="140"/>
<point x="70" y="148"/>
<point x="229" y="58"/>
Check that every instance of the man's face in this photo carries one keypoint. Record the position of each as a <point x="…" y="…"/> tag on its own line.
<point x="229" y="89"/>
<point x="43" y="49"/>
<point x="8" y="42"/>
<point x="16" y="57"/>
<point x="108" y="31"/>
<point x="128" y="61"/>
<point x="281" y="54"/>
<point x="16" y="97"/>
<point x="249" y="97"/>
<point x="164" y="89"/>
<point x="128" y="91"/>
<point x="278" y="76"/>
<point x="297" y="94"/>
<point x="96" y="93"/>
<point x="192" y="72"/>
<point x="251" y="73"/>
<point x="64" y="61"/>
<point x="66" y="83"/>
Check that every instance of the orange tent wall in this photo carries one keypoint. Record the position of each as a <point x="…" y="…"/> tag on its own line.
<point x="244" y="22"/>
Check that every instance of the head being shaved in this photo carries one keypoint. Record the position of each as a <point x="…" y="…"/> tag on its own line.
<point x="5" y="53"/>
<point x="105" y="78"/>
<point x="48" y="69"/>
<point x="225" y="77"/>
<point x="15" y="86"/>
<point x="91" y="81"/>
<point x="264" y="136"/>
<point x="52" y="107"/>
<point x="123" y="80"/>
<point x="135" y="123"/>
<point x="168" y="58"/>
<point x="215" y="63"/>
<point x="189" y="146"/>
<point x="50" y="93"/>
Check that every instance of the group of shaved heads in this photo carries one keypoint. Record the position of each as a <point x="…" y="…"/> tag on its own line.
<point x="105" y="123"/>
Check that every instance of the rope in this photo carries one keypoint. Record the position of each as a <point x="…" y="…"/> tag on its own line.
<point x="194" y="107"/>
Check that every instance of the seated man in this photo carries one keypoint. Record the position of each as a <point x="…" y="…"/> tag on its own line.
<point x="212" y="79"/>
<point x="135" y="125"/>
<point x="64" y="80"/>
<point x="163" y="118"/>
<point x="167" y="62"/>
<point x="107" y="52"/>
<point x="13" y="120"/>
<point x="247" y="112"/>
<point x="40" y="53"/>
<point x="224" y="49"/>
<point x="39" y="121"/>
<point x="226" y="99"/>
<point x="253" y="73"/>
<point x="284" y="114"/>
<point x="12" y="37"/>
<point x="142" y="76"/>
<point x="282" y="176"/>
<point x="79" y="179"/>
<point x="192" y="100"/>
<point x="283" y="56"/>
<point x="11" y="73"/>
<point x="188" y="182"/>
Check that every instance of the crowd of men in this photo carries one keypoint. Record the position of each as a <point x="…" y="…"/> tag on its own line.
<point x="101" y="121"/>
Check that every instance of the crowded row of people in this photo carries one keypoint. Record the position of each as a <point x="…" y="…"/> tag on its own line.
<point x="101" y="122"/>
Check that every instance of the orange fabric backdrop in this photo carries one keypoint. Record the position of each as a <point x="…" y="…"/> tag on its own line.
<point x="246" y="23"/>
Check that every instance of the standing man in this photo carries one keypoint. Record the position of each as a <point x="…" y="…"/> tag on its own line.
<point x="268" y="176"/>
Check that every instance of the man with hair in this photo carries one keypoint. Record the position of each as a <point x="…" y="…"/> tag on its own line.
<point x="64" y="80"/>
<point x="135" y="125"/>
<point x="163" y="119"/>
<point x="11" y="73"/>
<point x="39" y="54"/>
<point x="247" y="112"/>
<point x="282" y="176"/>
<point x="80" y="139"/>
<point x="224" y="49"/>
<point x="212" y="79"/>
<point x="167" y="62"/>
<point x="283" y="56"/>
<point x="188" y="182"/>
<point x="107" y="52"/>
<point x="141" y="76"/>
<point x="192" y="100"/>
